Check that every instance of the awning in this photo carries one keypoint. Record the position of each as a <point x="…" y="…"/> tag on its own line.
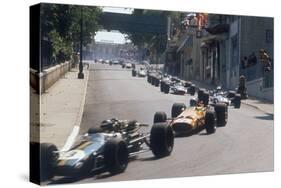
<point x="210" y="39"/>
<point x="218" y="29"/>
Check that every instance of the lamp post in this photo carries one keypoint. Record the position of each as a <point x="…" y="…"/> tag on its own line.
<point x="81" y="74"/>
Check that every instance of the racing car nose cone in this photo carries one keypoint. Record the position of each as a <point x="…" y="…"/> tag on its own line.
<point x="182" y="127"/>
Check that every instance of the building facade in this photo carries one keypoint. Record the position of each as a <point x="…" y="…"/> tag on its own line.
<point x="226" y="48"/>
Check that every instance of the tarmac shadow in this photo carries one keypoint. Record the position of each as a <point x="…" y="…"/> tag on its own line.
<point x="268" y="116"/>
<point x="188" y="134"/>
<point x="76" y="178"/>
<point x="151" y="158"/>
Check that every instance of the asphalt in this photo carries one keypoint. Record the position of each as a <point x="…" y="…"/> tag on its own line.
<point x="244" y="145"/>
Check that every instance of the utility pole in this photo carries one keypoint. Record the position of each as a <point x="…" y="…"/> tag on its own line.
<point x="81" y="74"/>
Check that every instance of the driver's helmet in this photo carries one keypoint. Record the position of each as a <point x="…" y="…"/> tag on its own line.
<point x="132" y="125"/>
<point x="106" y="123"/>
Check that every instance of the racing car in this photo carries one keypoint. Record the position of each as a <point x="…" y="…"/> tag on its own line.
<point x="154" y="77"/>
<point x="165" y="83"/>
<point x="229" y="98"/>
<point x="106" y="148"/>
<point x="141" y="72"/>
<point x="194" y="118"/>
<point x="178" y="88"/>
<point x="218" y="96"/>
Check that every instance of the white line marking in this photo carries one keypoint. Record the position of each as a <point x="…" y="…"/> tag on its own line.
<point x="75" y="131"/>
<point x="71" y="138"/>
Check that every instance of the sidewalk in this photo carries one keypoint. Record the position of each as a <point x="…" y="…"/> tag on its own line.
<point x="262" y="105"/>
<point x="61" y="110"/>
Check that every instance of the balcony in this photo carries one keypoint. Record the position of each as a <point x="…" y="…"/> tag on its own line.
<point x="217" y="24"/>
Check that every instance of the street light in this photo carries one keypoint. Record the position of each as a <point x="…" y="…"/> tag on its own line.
<point x="81" y="74"/>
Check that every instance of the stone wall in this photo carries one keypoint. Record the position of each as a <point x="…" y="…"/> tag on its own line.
<point x="255" y="88"/>
<point x="44" y="80"/>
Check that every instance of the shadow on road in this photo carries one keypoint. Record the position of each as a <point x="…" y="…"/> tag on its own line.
<point x="194" y="132"/>
<point x="268" y="116"/>
<point x="151" y="158"/>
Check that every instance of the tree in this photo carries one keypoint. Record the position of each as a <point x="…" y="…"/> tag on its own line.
<point x="61" y="25"/>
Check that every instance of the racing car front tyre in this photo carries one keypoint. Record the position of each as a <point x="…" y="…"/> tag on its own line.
<point x="160" y="117"/>
<point x="177" y="109"/>
<point x="161" y="139"/>
<point x="192" y="90"/>
<point x="116" y="155"/>
<point x="237" y="101"/>
<point x="48" y="158"/>
<point x="210" y="122"/>
<point x="222" y="114"/>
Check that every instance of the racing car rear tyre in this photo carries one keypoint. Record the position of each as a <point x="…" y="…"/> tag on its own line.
<point x="161" y="139"/>
<point x="162" y="84"/>
<point x="156" y="82"/>
<point x="192" y="89"/>
<point x="166" y="88"/>
<point x="153" y="80"/>
<point x="193" y="102"/>
<point x="200" y="93"/>
<point x="48" y="159"/>
<point x="134" y="73"/>
<point x="237" y="101"/>
<point x="116" y="155"/>
<point x="177" y="109"/>
<point x="187" y="84"/>
<point x="222" y="114"/>
<point x="210" y="122"/>
<point x="205" y="98"/>
<point x="160" y="117"/>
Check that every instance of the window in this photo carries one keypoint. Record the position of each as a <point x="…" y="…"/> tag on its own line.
<point x="269" y="36"/>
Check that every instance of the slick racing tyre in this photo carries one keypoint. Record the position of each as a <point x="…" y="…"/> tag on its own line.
<point x="152" y="80"/>
<point x="221" y="110"/>
<point x="210" y="122"/>
<point x="187" y="84"/>
<point x="48" y="159"/>
<point x="160" y="117"/>
<point x="162" y="85"/>
<point x="134" y="73"/>
<point x="237" y="101"/>
<point x="161" y="139"/>
<point x="148" y="78"/>
<point x="116" y="155"/>
<point x="205" y="98"/>
<point x="200" y="93"/>
<point x="177" y="109"/>
<point x="192" y="90"/>
<point x="193" y="102"/>
<point x="166" y="88"/>
<point x="156" y="82"/>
